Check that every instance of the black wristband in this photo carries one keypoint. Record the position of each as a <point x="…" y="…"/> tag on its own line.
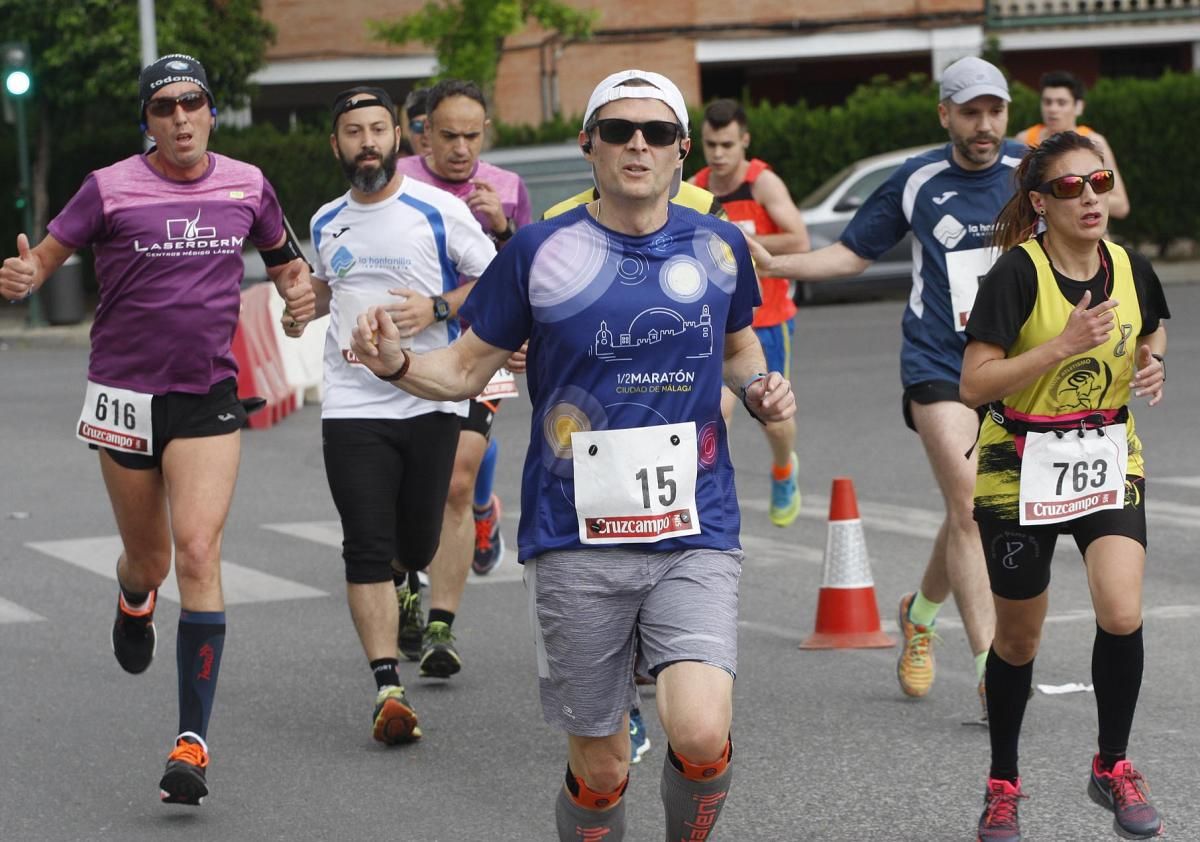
<point x="400" y="372"/>
<point x="1163" y="362"/>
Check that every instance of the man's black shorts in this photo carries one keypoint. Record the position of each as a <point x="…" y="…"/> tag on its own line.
<point x="179" y="415"/>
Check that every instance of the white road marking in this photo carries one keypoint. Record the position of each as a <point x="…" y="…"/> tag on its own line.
<point x="1182" y="482"/>
<point x="10" y="612"/>
<point x="241" y="584"/>
<point x="329" y="533"/>
<point x="1160" y="612"/>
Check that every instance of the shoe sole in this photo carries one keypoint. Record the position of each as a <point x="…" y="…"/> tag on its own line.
<point x="787" y="517"/>
<point x="481" y="570"/>
<point x="182" y="785"/>
<point x="636" y="756"/>
<point x="1097" y="795"/>
<point x="440" y="664"/>
<point x="408" y="650"/>
<point x="912" y="693"/>
<point x="396" y="723"/>
<point x="135" y="669"/>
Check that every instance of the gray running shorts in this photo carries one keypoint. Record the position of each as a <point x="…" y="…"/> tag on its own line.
<point x="593" y="609"/>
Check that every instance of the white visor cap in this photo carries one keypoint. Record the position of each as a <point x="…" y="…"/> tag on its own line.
<point x="613" y="88"/>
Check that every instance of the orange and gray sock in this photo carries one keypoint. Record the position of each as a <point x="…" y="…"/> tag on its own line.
<point x="584" y="815"/>
<point x="694" y="793"/>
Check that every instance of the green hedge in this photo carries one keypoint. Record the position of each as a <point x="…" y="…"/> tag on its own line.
<point x="1148" y="122"/>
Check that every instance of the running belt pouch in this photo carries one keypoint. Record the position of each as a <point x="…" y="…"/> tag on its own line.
<point x="253" y="404"/>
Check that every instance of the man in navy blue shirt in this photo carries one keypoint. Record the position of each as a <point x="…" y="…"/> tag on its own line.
<point x="948" y="198"/>
<point x="636" y="311"/>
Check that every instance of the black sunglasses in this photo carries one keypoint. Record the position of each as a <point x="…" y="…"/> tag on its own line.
<point x="656" y="132"/>
<point x="164" y="106"/>
<point x="1071" y="186"/>
<point x="416" y="126"/>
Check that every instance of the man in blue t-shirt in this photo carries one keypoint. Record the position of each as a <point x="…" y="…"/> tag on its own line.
<point x="948" y="198"/>
<point x="636" y="312"/>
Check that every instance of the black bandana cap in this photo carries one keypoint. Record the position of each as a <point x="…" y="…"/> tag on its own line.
<point x="169" y="69"/>
<point x="344" y="101"/>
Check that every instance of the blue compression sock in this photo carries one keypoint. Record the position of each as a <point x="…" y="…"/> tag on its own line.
<point x="486" y="476"/>
<point x="198" y="648"/>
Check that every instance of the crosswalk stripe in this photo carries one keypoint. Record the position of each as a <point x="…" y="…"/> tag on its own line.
<point x="328" y="533"/>
<point x="240" y="584"/>
<point x="10" y="612"/>
<point x="1160" y="612"/>
<point x="1182" y="482"/>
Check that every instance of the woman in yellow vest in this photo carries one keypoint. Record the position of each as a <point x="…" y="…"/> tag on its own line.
<point x="1066" y="327"/>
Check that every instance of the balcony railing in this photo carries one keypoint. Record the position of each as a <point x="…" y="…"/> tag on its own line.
<point x="1001" y="13"/>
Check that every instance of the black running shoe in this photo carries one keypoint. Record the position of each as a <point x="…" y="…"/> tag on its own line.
<point x="439" y="658"/>
<point x="183" y="782"/>
<point x="411" y="635"/>
<point x="1125" y="792"/>
<point x="133" y="636"/>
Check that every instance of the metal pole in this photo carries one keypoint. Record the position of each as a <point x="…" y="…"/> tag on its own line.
<point x="34" y="315"/>
<point x="149" y="36"/>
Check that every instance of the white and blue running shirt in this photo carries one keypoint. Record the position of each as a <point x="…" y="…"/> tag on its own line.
<point x="951" y="212"/>
<point x="422" y="238"/>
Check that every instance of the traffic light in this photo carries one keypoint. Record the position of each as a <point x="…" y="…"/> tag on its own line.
<point x="18" y="75"/>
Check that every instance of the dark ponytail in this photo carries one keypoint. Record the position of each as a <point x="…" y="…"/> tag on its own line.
<point x="1017" y="220"/>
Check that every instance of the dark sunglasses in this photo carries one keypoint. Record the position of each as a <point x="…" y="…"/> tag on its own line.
<point x="656" y="132"/>
<point x="416" y="126"/>
<point x="164" y="106"/>
<point x="1071" y="186"/>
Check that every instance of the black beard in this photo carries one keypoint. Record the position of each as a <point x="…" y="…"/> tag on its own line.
<point x="369" y="179"/>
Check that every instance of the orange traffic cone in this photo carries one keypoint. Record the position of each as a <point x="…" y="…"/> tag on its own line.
<point x="847" y="614"/>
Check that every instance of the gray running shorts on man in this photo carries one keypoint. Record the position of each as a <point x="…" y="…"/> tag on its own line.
<point x="591" y="609"/>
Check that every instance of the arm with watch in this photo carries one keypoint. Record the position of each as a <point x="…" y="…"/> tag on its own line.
<point x="417" y="311"/>
<point x="1151" y="364"/>
<point x="767" y="396"/>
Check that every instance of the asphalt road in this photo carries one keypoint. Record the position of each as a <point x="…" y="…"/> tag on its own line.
<point x="827" y="747"/>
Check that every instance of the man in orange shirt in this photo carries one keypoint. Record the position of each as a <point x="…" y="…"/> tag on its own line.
<point x="758" y="202"/>
<point x="1062" y="105"/>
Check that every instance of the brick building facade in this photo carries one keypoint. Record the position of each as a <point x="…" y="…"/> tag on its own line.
<point x="768" y="49"/>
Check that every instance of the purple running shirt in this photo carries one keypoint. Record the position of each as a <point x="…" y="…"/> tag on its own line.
<point x="514" y="198"/>
<point x="168" y="260"/>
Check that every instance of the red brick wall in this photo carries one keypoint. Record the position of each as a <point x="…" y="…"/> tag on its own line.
<point x="518" y="85"/>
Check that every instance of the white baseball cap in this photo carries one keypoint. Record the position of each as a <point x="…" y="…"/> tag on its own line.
<point x="970" y="77"/>
<point x="613" y="88"/>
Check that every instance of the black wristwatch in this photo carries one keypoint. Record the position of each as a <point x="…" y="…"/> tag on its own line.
<point x="441" y="309"/>
<point x="505" y="235"/>
<point x="1163" y="362"/>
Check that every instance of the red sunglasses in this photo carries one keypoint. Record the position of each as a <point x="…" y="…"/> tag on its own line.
<point x="1071" y="186"/>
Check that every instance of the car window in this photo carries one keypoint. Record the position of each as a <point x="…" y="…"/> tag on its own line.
<point x="859" y="190"/>
<point x="822" y="193"/>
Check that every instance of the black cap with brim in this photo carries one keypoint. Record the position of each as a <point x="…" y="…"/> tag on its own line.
<point x="345" y="101"/>
<point x="169" y="69"/>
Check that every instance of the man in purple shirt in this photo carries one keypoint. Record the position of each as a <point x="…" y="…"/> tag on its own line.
<point x="455" y="124"/>
<point x="167" y="229"/>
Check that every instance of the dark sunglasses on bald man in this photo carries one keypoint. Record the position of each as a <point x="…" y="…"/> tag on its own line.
<point x="1071" y="186"/>
<point x="656" y="132"/>
<point x="164" y="106"/>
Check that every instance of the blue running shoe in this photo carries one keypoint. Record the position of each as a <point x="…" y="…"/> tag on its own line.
<point x="785" y="496"/>
<point x="489" y="541"/>
<point x="639" y="743"/>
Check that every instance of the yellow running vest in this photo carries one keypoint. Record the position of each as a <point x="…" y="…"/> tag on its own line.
<point x="1094" y="380"/>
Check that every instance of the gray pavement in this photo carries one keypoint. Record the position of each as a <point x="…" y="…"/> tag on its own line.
<point x="827" y="747"/>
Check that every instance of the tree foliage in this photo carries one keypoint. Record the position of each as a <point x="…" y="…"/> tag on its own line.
<point x="87" y="56"/>
<point x="468" y="35"/>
